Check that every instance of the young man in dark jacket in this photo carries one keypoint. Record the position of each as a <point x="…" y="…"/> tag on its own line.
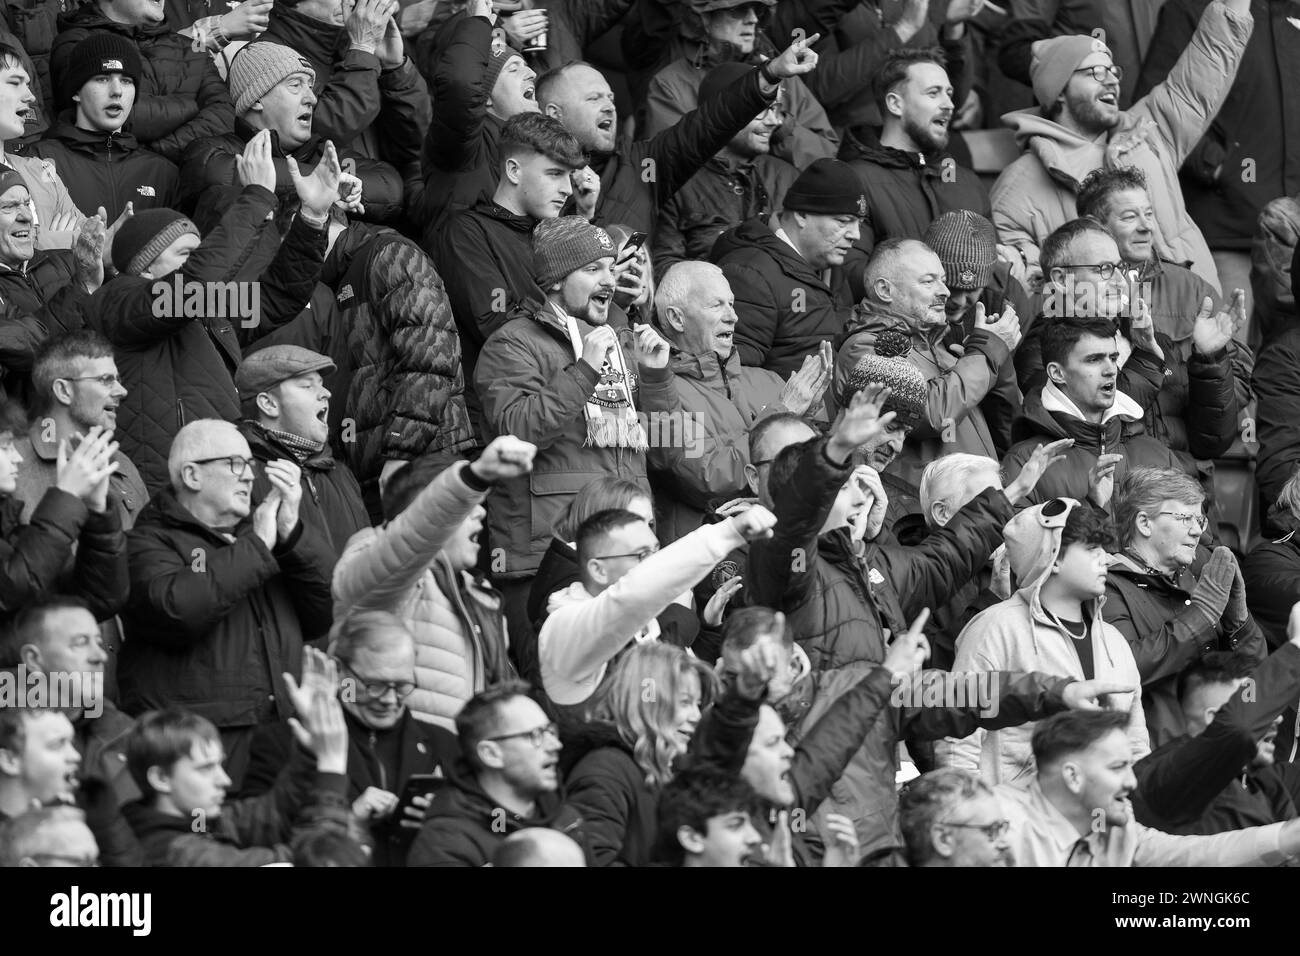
<point x="636" y="179"/>
<point x="103" y="165"/>
<point x="182" y="97"/>
<point x="218" y="641"/>
<point x="287" y="402"/>
<point x="183" y="817"/>
<point x="507" y="780"/>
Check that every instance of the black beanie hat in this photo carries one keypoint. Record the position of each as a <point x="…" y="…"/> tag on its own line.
<point x="827" y="187"/>
<point x="97" y="54"/>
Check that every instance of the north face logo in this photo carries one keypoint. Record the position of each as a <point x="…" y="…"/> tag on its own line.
<point x="345" y="293"/>
<point x="110" y="66"/>
<point x="146" y="191"/>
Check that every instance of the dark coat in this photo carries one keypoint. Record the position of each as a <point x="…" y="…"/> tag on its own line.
<point x="41" y="300"/>
<point x="1272" y="574"/>
<point x="104" y="784"/>
<point x="212" y="624"/>
<point x="109" y="170"/>
<point x="1256" y="129"/>
<point x="785" y="310"/>
<point x="609" y="791"/>
<point x="1277" y="383"/>
<point x="331" y="497"/>
<point x="376" y="758"/>
<point x="180" y="97"/>
<point x="464" y="826"/>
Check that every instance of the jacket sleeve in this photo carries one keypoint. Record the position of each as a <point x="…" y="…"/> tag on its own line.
<point x="21" y="334"/>
<point x="648" y="32"/>
<point x="926" y="575"/>
<point x="441" y="842"/>
<point x="307" y="565"/>
<point x="520" y="400"/>
<point x="1171" y="648"/>
<point x="287" y="284"/>
<point x="378" y="567"/>
<point x="1212" y="411"/>
<point x="1184" y="104"/>
<point x="606" y="806"/>
<point x="781" y="567"/>
<point x="40" y="550"/>
<point x="1179" y="781"/>
<point x="678" y="152"/>
<point x="808" y="132"/>
<point x="102" y="576"/>
<point x="703" y="465"/>
<point x="183" y="596"/>
<point x="757" y="312"/>
<point x="426" y="402"/>
<point x="215" y="115"/>
<point x="1021" y="699"/>
<point x="578" y="639"/>
<point x="724" y="733"/>
<point x="481" y="296"/>
<point x="460" y="95"/>
<point x="404" y="115"/>
<point x="350" y="101"/>
<point x="668" y="247"/>
<point x="589" y="20"/>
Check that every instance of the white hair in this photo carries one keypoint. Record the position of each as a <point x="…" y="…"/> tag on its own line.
<point x="947" y="476"/>
<point x="677" y="287"/>
<point x="193" y="442"/>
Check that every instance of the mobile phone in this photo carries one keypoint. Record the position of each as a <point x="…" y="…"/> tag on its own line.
<point x="632" y="246"/>
<point x="417" y="784"/>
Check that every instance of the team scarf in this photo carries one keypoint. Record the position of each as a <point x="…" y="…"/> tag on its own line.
<point x="611" y="417"/>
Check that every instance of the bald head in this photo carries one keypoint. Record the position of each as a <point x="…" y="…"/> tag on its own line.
<point x="211" y="470"/>
<point x="579" y="96"/>
<point x="696" y="309"/>
<point x="538" y="846"/>
<point x="204" y="438"/>
<point x="907" y="277"/>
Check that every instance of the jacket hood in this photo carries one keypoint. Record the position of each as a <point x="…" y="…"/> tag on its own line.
<point x="705" y="367"/>
<point x="1067" y="156"/>
<point x="870" y="316"/>
<point x="1055" y="415"/>
<point x="582" y="739"/>
<point x="90" y="141"/>
<point x="889" y="157"/>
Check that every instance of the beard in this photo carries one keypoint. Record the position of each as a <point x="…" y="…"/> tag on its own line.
<point x="924" y="136"/>
<point x="1091" y="115"/>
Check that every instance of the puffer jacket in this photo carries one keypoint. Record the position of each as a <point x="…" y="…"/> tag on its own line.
<point x="842" y="599"/>
<point x="407" y="394"/>
<point x="109" y="170"/>
<point x="464" y="826"/>
<point x="1069" y="478"/>
<point x="700" y="447"/>
<point x="1018" y="634"/>
<point x="1271" y="257"/>
<point x="956" y="384"/>
<point x="219" y="642"/>
<point x="785" y="309"/>
<point x="1036" y="193"/>
<point x="181" y="368"/>
<point x="378" y="113"/>
<point x="41" y="299"/>
<point x="606" y="787"/>
<point x="49" y="196"/>
<point x="532" y="387"/>
<point x="180" y="97"/>
<point x="1258" y="127"/>
<point x="209" y="172"/>
<point x="719" y="197"/>
<point x="1167" y="636"/>
<point x="1277" y="383"/>
<point x="456" y="620"/>
<point x="805" y="136"/>
<point x="905" y="193"/>
<point x="331" y="497"/>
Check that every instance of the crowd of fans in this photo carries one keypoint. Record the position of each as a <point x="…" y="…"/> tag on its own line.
<point x="649" y="433"/>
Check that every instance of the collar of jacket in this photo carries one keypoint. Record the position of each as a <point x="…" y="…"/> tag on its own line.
<point x="166" y="510"/>
<point x="1067" y="156"/>
<point x="308" y="152"/>
<point x="463" y="798"/>
<point x="268" y="448"/>
<point x="494" y="210"/>
<point x="1036" y="420"/>
<point x="92" y="141"/>
<point x="757" y="234"/>
<point x="891" y="158"/>
<point x="705" y="367"/>
<point x="550" y="318"/>
<point x="20" y="271"/>
<point x="704" y="58"/>
<point x="1051" y="822"/>
<point x="1128" y="564"/>
<point x="717" y="164"/>
<point x="312" y="39"/>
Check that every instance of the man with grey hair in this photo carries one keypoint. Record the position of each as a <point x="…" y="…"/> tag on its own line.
<point x="222" y="597"/>
<point x="48" y="836"/>
<point x="951" y="817"/>
<point x="699" y="447"/>
<point x="1172" y="599"/>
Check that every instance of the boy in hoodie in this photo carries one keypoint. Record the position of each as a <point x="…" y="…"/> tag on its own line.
<point x="103" y="165"/>
<point x="1078" y="127"/>
<point x="1058" y="555"/>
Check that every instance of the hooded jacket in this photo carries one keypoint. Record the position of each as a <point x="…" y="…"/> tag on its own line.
<point x="219" y="642"/>
<point x="455" y="618"/>
<point x="331" y="497"/>
<point x="1048" y="415"/>
<point x="532" y="387"/>
<point x="956" y="384"/>
<point x="1019" y="634"/>
<point x="464" y="826"/>
<point x="1036" y="193"/>
<point x="1167" y="635"/>
<point x="701" y="447"/>
<point x="109" y="170"/>
<point x="180" y="97"/>
<point x="785" y="310"/>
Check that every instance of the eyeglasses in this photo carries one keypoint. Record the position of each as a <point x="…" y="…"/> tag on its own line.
<point x="537" y="736"/>
<point x="13" y="205"/>
<point x="108" y="380"/>
<point x="238" y="465"/>
<point x="376" y="689"/>
<point x="994" y="831"/>
<point x="639" y="555"/>
<point x="1104" y="269"/>
<point x="1101" y="71"/>
<point x="65" y="859"/>
<point x="1187" y="520"/>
